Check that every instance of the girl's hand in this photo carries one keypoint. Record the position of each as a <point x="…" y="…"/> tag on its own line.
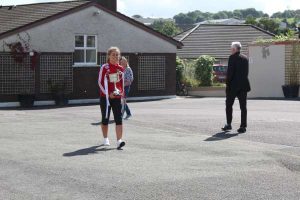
<point x="111" y="95"/>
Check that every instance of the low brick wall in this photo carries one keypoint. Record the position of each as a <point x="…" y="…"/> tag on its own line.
<point x="207" y="92"/>
<point x="154" y="75"/>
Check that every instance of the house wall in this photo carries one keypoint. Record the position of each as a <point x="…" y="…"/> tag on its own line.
<point x="58" y="38"/>
<point x="266" y="70"/>
<point x="82" y="82"/>
<point x="59" y="35"/>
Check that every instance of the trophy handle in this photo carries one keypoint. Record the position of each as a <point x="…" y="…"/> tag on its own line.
<point x="118" y="77"/>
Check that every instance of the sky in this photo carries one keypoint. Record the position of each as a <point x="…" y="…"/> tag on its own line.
<point x="169" y="8"/>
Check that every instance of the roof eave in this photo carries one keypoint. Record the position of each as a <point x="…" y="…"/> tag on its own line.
<point x="44" y="20"/>
<point x="262" y="30"/>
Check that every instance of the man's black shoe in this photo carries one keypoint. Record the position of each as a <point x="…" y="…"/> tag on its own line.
<point x="241" y="130"/>
<point x="227" y="127"/>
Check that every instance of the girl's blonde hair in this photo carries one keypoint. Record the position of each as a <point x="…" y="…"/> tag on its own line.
<point x="110" y="50"/>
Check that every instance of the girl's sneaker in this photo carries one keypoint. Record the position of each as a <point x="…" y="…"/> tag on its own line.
<point x="120" y="144"/>
<point x="106" y="142"/>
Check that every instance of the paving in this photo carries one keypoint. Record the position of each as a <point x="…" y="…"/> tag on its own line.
<point x="174" y="149"/>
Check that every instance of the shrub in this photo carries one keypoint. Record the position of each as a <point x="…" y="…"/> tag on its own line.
<point x="179" y="69"/>
<point x="190" y="82"/>
<point x="204" y="70"/>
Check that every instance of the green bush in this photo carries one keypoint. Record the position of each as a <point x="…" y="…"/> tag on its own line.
<point x="179" y="69"/>
<point x="218" y="84"/>
<point x="190" y="82"/>
<point x="204" y="70"/>
<point x="189" y="69"/>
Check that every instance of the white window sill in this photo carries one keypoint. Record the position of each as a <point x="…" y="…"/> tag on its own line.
<point x="86" y="65"/>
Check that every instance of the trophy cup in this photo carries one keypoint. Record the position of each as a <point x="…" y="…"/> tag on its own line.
<point x="114" y="78"/>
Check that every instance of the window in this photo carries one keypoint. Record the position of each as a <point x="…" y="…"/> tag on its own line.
<point x="85" y="49"/>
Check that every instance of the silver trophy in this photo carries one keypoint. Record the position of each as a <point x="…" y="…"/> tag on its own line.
<point x="114" y="78"/>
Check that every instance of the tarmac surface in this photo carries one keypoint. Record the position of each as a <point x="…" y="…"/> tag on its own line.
<point x="174" y="149"/>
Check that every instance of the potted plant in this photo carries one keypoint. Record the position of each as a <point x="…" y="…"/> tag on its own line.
<point x="20" y="49"/>
<point x="291" y="89"/>
<point x="26" y="99"/>
<point x="59" y="93"/>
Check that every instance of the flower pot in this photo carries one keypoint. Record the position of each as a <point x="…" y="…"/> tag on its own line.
<point x="60" y="99"/>
<point x="26" y="100"/>
<point x="290" y="91"/>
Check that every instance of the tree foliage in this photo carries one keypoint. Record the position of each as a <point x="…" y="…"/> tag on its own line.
<point x="286" y="14"/>
<point x="168" y="28"/>
<point x="269" y="24"/>
<point x="250" y="15"/>
<point x="265" y="23"/>
<point x="137" y="16"/>
<point x="198" y="16"/>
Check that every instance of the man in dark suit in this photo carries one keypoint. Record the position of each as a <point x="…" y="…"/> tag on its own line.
<point x="237" y="85"/>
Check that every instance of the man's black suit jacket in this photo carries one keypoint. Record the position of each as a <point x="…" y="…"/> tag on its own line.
<point x="237" y="74"/>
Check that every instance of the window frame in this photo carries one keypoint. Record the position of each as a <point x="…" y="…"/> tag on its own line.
<point x="85" y="48"/>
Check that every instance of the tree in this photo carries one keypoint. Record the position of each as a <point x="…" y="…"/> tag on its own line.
<point x="220" y="15"/>
<point x="200" y="18"/>
<point x="183" y="19"/>
<point x="251" y="11"/>
<point x="137" y="16"/>
<point x="250" y="16"/>
<point x="207" y="15"/>
<point x="266" y="15"/>
<point x="251" y="20"/>
<point x="168" y="28"/>
<point x="288" y="14"/>
<point x="297" y="17"/>
<point x="277" y="15"/>
<point x="193" y="15"/>
<point x="229" y="14"/>
<point x="237" y="14"/>
<point x="269" y="24"/>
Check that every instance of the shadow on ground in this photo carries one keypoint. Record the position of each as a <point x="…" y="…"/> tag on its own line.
<point x="87" y="151"/>
<point x="48" y="107"/>
<point x="99" y="123"/>
<point x="221" y="136"/>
